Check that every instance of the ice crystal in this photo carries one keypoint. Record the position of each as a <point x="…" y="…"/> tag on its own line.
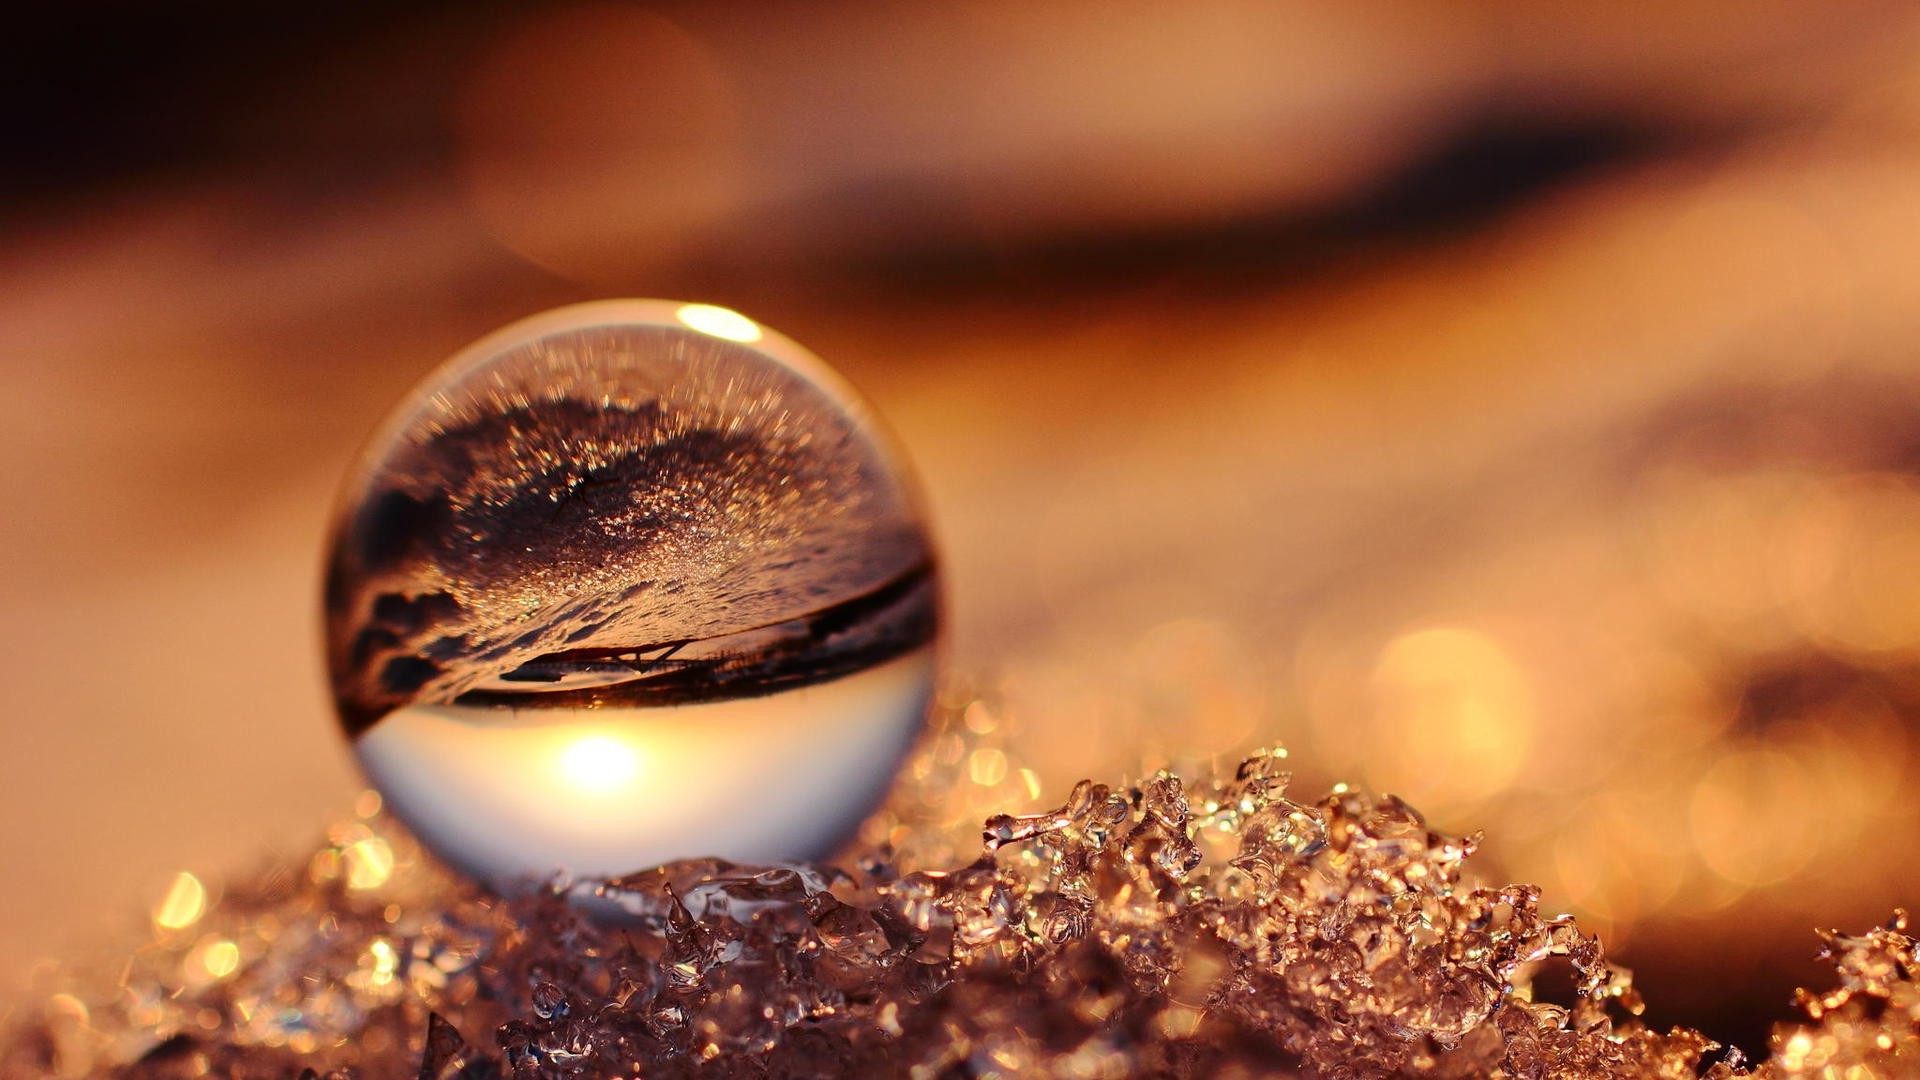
<point x="1218" y="929"/>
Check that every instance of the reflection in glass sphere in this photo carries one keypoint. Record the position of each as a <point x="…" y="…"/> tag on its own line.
<point x="628" y="582"/>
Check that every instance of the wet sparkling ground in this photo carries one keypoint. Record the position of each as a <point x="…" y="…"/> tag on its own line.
<point x="1215" y="927"/>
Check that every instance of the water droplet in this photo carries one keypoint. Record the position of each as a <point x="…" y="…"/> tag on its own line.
<point x="626" y="583"/>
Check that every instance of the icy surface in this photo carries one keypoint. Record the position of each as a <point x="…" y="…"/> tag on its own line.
<point x="1213" y="929"/>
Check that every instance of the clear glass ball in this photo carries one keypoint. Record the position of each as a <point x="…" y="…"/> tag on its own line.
<point x="628" y="582"/>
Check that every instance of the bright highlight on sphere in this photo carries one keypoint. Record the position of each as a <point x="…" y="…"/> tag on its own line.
<point x="720" y="322"/>
<point x="599" y="763"/>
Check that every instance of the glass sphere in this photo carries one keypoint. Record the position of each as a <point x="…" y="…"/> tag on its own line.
<point x="628" y="582"/>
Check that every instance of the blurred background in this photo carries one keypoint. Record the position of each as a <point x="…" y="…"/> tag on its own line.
<point x="1515" y="406"/>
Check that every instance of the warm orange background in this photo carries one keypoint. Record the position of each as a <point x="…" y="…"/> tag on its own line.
<point x="1510" y="405"/>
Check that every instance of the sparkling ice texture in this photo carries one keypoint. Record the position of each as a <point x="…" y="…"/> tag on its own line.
<point x="1213" y="930"/>
<point x="628" y="582"/>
